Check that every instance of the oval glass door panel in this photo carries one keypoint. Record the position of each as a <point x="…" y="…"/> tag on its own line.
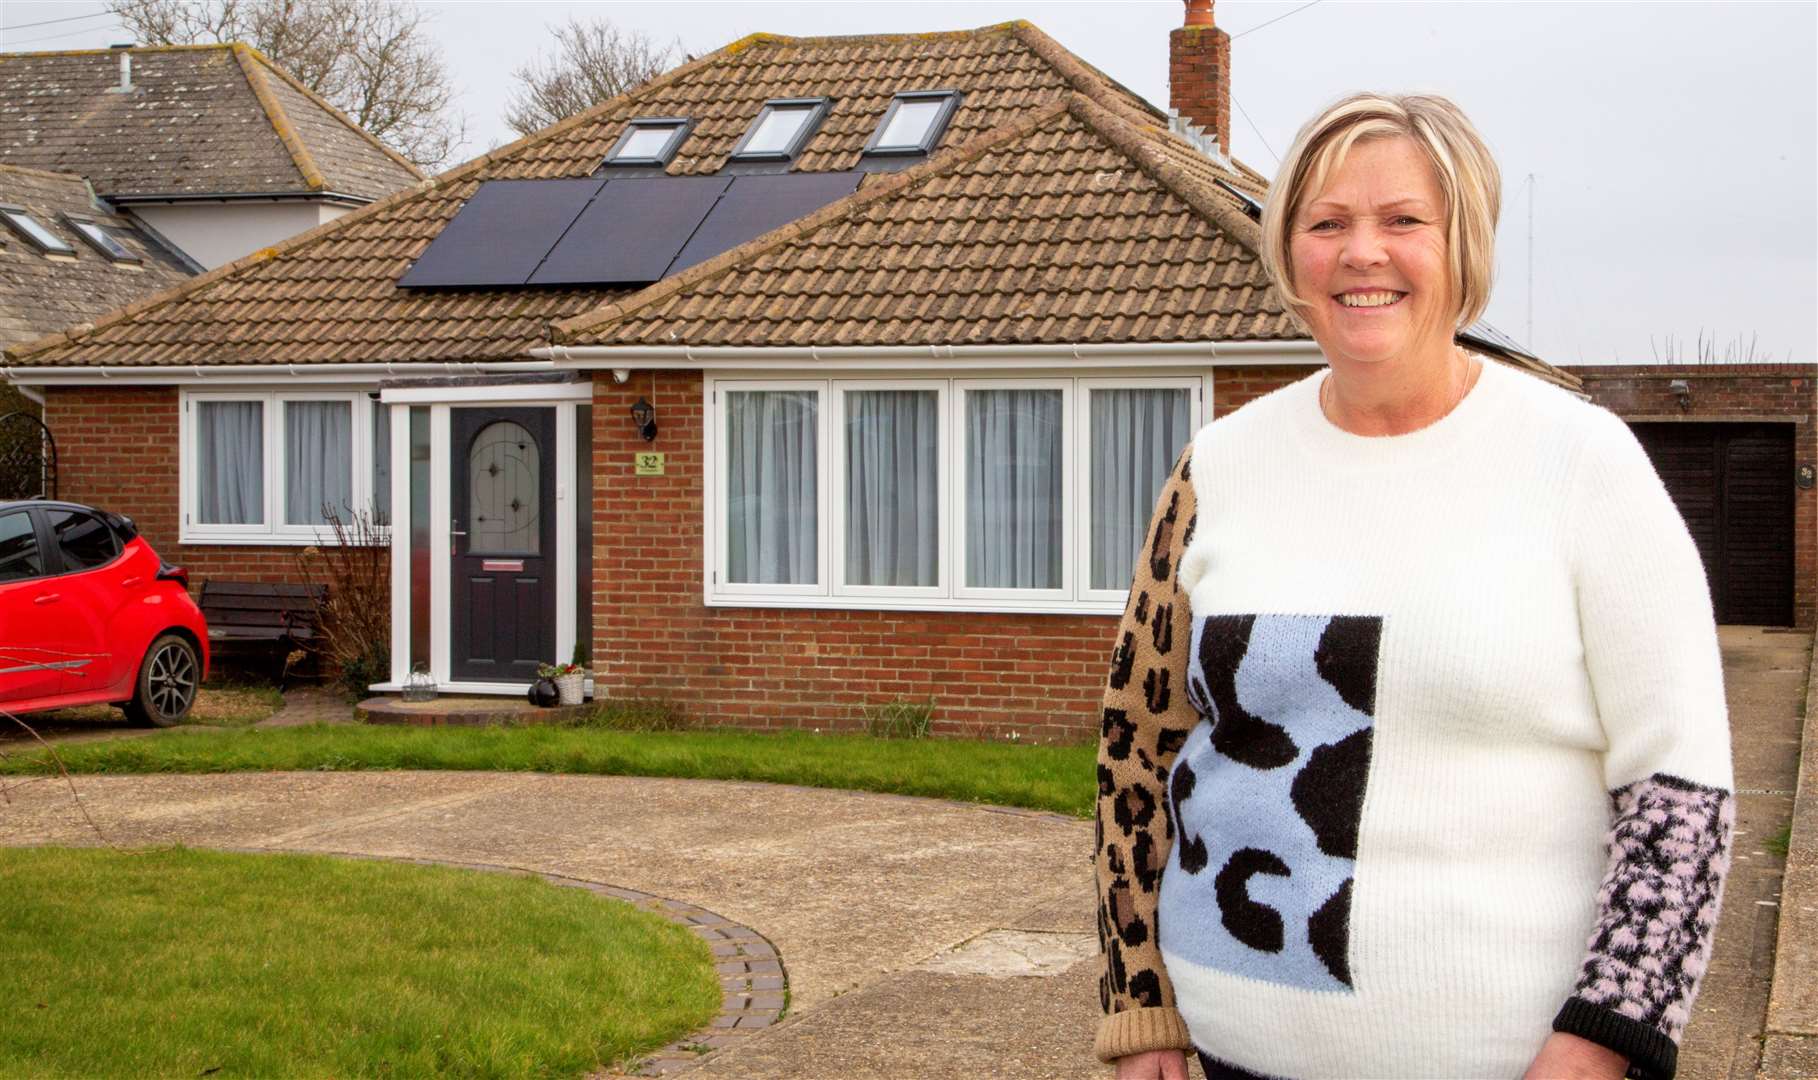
<point x="504" y="464"/>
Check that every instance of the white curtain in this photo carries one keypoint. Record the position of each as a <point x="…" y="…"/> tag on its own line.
<point x="1136" y="435"/>
<point x="1013" y="489"/>
<point x="230" y="462"/>
<point x="772" y="487"/>
<point x="381" y="462"/>
<point x="892" y="487"/>
<point x="318" y="460"/>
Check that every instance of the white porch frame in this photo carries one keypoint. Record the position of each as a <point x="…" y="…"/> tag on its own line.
<point x="441" y="400"/>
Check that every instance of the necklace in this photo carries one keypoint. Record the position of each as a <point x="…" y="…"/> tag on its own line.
<point x="1469" y="368"/>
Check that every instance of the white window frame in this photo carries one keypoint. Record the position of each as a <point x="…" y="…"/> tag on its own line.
<point x="274" y="530"/>
<point x="1083" y="519"/>
<point x="837" y="535"/>
<point x="722" y="576"/>
<point x="1075" y="597"/>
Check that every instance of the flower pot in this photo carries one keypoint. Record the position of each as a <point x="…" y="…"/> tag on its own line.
<point x="571" y="688"/>
<point x="543" y="693"/>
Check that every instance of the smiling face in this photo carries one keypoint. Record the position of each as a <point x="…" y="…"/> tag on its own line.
<point x="1368" y="254"/>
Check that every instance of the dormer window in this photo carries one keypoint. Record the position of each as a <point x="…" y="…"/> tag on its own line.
<point x="780" y="129"/>
<point x="100" y="239"/>
<point x="34" y="231"/>
<point x="649" y="141"/>
<point x="914" y="122"/>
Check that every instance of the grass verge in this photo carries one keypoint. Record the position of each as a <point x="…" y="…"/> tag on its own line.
<point x="178" y="962"/>
<point x="1057" y="778"/>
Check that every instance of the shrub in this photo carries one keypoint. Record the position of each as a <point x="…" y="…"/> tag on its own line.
<point x="354" y="619"/>
<point x="900" y="719"/>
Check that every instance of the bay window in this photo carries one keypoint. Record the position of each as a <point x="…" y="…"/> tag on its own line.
<point x="271" y="467"/>
<point x="953" y="493"/>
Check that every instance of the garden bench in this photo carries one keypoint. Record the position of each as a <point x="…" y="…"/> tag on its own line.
<point x="261" y="615"/>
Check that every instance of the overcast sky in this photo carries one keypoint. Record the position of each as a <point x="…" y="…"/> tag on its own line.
<point x="1673" y="146"/>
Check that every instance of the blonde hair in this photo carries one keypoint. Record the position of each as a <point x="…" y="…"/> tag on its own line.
<point x="1466" y="172"/>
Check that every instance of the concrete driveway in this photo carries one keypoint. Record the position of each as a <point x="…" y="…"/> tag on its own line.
<point x="920" y="938"/>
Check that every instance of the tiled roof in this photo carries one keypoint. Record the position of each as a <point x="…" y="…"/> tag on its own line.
<point x="1057" y="208"/>
<point x="1075" y="225"/>
<point x="200" y="120"/>
<point x="330" y="295"/>
<point x="39" y="293"/>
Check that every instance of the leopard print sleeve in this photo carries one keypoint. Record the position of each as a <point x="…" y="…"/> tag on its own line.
<point x="1145" y="720"/>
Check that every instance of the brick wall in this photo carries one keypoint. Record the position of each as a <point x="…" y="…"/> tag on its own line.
<point x="1731" y="392"/>
<point x="1236" y="386"/>
<point x="117" y="449"/>
<point x="1039" y="675"/>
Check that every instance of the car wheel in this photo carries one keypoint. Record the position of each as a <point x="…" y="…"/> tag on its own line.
<point x="167" y="684"/>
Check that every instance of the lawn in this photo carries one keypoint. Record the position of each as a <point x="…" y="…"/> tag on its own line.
<point x="175" y="962"/>
<point x="1057" y="778"/>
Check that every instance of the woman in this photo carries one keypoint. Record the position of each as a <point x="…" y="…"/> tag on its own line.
<point x="1447" y="792"/>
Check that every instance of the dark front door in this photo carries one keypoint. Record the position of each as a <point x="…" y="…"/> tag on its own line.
<point x="503" y="509"/>
<point x="1733" y="484"/>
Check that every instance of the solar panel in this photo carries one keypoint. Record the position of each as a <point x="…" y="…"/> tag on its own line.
<point x="754" y="205"/>
<point x="502" y="234"/>
<point x="632" y="232"/>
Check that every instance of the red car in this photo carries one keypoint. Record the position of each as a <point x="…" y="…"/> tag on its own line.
<point x="89" y="614"/>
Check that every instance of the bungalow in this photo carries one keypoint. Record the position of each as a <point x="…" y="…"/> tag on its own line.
<point x="812" y="374"/>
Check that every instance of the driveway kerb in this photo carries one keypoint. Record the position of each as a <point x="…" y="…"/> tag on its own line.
<point x="1790" y="1043"/>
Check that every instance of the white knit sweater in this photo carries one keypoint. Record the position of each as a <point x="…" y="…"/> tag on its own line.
<point x="1409" y="820"/>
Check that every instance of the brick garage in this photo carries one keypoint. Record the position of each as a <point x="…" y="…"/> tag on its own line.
<point x="1731" y="395"/>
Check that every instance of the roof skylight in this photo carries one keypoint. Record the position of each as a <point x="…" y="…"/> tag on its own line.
<point x="35" y="232"/>
<point x="100" y="239"/>
<point x="649" y="141"/>
<point x="780" y="129"/>
<point x="914" y="122"/>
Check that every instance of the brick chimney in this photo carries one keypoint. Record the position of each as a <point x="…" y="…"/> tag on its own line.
<point x="1199" y="73"/>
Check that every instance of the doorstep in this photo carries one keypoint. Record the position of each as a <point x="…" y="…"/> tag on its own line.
<point x="464" y="711"/>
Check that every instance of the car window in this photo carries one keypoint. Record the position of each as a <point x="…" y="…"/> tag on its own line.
<point x="84" y="539"/>
<point x="19" y="556"/>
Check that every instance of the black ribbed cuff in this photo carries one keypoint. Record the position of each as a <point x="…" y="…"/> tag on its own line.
<point x="1652" y="1056"/>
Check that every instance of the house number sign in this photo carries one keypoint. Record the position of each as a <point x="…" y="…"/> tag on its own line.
<point x="648" y="464"/>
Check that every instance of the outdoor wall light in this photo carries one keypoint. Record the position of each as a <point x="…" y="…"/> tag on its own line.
<point x="1683" y="392"/>
<point x="645" y="418"/>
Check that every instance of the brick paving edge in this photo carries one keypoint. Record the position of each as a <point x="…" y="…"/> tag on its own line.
<point x="754" y="985"/>
<point x="1784" y="1020"/>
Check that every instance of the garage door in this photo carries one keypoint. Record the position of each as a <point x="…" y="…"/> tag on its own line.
<point x="1734" y="485"/>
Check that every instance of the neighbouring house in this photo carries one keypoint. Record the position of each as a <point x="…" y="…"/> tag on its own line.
<point x="212" y="148"/>
<point x="1736" y="445"/>
<point x="812" y="374"/>
<point x="66" y="257"/>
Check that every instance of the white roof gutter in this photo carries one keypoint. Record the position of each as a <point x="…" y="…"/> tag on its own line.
<point x="229" y="374"/>
<point x="732" y="357"/>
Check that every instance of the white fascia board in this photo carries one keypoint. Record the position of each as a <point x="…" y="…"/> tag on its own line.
<point x="923" y="357"/>
<point x="233" y="374"/>
<point x="538" y="393"/>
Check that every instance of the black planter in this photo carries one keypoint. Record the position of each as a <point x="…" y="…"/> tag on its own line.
<point x="543" y="693"/>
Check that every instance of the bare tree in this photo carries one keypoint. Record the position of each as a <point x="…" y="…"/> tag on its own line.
<point x="594" y="61"/>
<point x="372" y="59"/>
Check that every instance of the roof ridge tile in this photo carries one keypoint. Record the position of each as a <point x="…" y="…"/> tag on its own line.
<point x="280" y="121"/>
